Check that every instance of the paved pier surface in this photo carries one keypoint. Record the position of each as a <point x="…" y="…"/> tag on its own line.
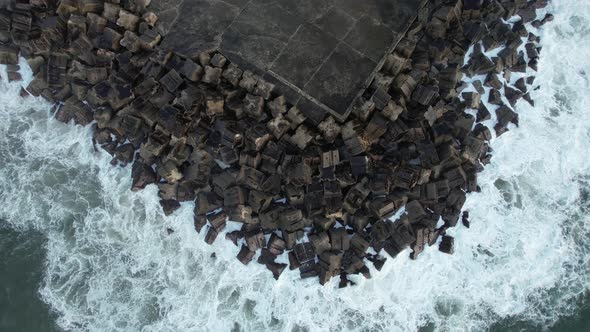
<point x="320" y="54"/>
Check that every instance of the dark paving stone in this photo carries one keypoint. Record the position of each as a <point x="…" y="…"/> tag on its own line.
<point x="165" y="20"/>
<point x="237" y="3"/>
<point x="162" y="5"/>
<point x="259" y="34"/>
<point x="201" y="22"/>
<point x="393" y="13"/>
<point x="304" y="54"/>
<point x="336" y="22"/>
<point x="370" y="38"/>
<point x="340" y="78"/>
<point x="262" y="2"/>
<point x="319" y="53"/>
<point x="397" y="15"/>
<point x="308" y="10"/>
<point x="354" y="8"/>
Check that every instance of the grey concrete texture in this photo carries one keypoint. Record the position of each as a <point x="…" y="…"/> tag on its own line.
<point x="321" y="54"/>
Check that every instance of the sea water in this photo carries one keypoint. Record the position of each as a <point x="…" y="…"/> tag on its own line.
<point x="108" y="263"/>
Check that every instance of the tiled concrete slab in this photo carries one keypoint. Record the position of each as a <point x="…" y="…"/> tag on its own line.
<point x="162" y="5"/>
<point x="319" y="53"/>
<point x="340" y="78"/>
<point x="259" y="34"/>
<point x="304" y="54"/>
<point x="199" y="26"/>
<point x="238" y="3"/>
<point x="335" y="22"/>
<point x="308" y="10"/>
<point x="394" y="14"/>
<point x="370" y="37"/>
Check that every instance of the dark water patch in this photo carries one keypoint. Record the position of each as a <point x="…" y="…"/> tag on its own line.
<point x="578" y="322"/>
<point x="21" y="262"/>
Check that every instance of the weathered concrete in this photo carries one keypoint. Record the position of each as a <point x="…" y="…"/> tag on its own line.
<point x="320" y="54"/>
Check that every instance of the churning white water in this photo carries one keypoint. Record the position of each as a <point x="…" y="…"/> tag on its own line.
<point x="111" y="266"/>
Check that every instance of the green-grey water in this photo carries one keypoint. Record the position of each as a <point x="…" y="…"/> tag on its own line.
<point x="21" y="310"/>
<point x="22" y="257"/>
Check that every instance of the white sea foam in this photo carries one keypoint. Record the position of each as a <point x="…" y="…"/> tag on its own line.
<point x="112" y="267"/>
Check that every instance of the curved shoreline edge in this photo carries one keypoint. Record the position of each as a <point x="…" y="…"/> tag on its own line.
<point x="206" y="130"/>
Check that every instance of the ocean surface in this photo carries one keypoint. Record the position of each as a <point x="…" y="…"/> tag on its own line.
<point x="80" y="252"/>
